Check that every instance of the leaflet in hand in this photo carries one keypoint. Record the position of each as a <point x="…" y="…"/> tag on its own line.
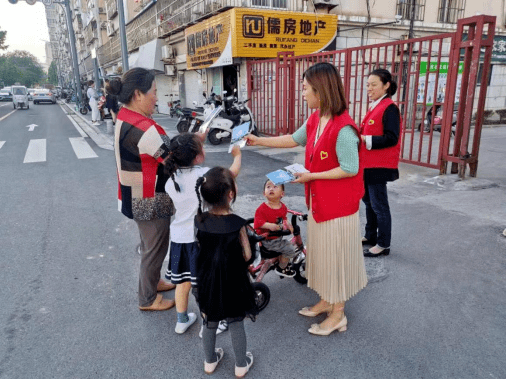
<point x="286" y="174"/>
<point x="238" y="134"/>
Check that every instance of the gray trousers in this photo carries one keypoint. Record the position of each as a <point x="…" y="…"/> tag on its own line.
<point x="155" y="239"/>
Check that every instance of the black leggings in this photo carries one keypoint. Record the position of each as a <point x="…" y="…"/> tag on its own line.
<point x="238" y="336"/>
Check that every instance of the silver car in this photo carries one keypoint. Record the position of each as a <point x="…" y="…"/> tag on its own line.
<point x="44" y="95"/>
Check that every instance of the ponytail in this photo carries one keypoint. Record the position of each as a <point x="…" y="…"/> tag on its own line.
<point x="385" y="77"/>
<point x="183" y="149"/>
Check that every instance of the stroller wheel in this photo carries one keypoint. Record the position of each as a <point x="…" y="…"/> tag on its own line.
<point x="300" y="272"/>
<point x="262" y="295"/>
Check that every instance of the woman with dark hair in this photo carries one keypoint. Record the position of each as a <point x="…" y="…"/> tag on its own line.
<point x="111" y="103"/>
<point x="141" y="147"/>
<point x="380" y="129"/>
<point x="334" y="186"/>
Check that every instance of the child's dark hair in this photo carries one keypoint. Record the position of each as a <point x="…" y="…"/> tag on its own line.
<point x="282" y="185"/>
<point x="183" y="149"/>
<point x="385" y="77"/>
<point x="214" y="187"/>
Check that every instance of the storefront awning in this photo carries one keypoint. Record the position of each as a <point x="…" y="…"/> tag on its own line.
<point x="149" y="56"/>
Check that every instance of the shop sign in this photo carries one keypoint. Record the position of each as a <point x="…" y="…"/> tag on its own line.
<point x="246" y="32"/>
<point x="442" y="74"/>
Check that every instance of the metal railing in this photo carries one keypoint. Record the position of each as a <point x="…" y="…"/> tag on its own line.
<point x="430" y="72"/>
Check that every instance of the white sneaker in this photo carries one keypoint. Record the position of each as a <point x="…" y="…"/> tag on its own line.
<point x="240" y="372"/>
<point x="97" y="123"/>
<point x="182" y="327"/>
<point x="222" y="327"/>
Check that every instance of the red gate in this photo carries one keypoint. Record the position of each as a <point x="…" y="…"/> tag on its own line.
<point x="433" y="74"/>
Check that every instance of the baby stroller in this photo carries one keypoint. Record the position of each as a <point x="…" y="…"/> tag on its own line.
<point x="268" y="259"/>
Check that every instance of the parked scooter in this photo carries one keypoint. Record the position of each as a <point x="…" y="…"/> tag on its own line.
<point x="438" y="119"/>
<point x="235" y="113"/>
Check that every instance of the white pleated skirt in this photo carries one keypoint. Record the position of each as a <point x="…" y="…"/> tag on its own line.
<point x="335" y="266"/>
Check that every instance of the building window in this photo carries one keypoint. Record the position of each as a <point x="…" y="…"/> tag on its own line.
<point x="451" y="10"/>
<point x="269" y="3"/>
<point x="404" y="8"/>
<point x="480" y="74"/>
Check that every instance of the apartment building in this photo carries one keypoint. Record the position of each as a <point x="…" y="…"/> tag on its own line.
<point x="59" y="45"/>
<point x="194" y="46"/>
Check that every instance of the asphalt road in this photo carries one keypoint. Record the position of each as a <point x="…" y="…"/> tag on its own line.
<point x="68" y="287"/>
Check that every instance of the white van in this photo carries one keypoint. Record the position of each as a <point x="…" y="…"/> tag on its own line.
<point x="20" y="97"/>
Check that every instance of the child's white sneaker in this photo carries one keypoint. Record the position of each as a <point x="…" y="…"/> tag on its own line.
<point x="242" y="371"/>
<point x="210" y="367"/>
<point x="222" y="327"/>
<point x="182" y="327"/>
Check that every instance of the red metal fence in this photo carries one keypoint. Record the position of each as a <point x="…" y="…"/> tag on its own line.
<point x="432" y="72"/>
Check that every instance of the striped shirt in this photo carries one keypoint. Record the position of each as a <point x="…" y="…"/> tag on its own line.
<point x="140" y="147"/>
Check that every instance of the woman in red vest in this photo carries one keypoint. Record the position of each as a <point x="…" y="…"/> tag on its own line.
<point x="380" y="131"/>
<point x="334" y="186"/>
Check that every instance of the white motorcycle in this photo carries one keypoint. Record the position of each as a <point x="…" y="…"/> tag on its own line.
<point x="233" y="113"/>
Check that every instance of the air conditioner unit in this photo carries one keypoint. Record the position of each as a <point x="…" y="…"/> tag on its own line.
<point x="110" y="29"/>
<point x="325" y="3"/>
<point x="104" y="24"/>
<point x="167" y="52"/>
<point x="170" y="70"/>
<point x="101" y="10"/>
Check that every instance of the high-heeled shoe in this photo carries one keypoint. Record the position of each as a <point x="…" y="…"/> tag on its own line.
<point x="306" y="311"/>
<point x="315" y="328"/>
<point x="384" y="251"/>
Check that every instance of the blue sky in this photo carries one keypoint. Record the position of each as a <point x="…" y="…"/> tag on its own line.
<point x="26" y="26"/>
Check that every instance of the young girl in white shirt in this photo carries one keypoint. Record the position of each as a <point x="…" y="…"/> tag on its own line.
<point x="183" y="165"/>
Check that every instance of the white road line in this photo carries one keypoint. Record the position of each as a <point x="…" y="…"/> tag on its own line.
<point x="6" y="116"/>
<point x="36" y="151"/>
<point x="79" y="129"/>
<point x="81" y="148"/>
<point x="2" y="144"/>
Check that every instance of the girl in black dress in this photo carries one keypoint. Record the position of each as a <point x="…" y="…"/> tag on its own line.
<point x="224" y="291"/>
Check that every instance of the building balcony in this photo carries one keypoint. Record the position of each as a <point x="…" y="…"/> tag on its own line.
<point x="142" y="29"/>
<point x="175" y="15"/>
<point x="111" y="8"/>
<point x="90" y="34"/>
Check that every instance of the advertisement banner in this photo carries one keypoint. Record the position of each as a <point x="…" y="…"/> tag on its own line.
<point x="431" y="84"/>
<point x="256" y="33"/>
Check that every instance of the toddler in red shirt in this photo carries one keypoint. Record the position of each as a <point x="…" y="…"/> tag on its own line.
<point x="266" y="217"/>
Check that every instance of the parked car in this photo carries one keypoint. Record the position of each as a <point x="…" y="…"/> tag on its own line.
<point x="20" y="97"/>
<point x="43" y="95"/>
<point x="30" y="93"/>
<point x="5" y="95"/>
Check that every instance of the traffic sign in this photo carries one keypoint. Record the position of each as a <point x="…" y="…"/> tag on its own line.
<point x="47" y="3"/>
<point x="31" y="2"/>
<point x="13" y="1"/>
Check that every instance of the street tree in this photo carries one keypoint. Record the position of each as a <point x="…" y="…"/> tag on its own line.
<point x="20" y="66"/>
<point x="3" y="36"/>
<point x="52" y="74"/>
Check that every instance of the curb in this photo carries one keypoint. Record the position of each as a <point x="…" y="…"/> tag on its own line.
<point x="102" y="140"/>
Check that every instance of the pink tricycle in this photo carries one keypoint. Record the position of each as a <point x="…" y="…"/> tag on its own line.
<point x="270" y="258"/>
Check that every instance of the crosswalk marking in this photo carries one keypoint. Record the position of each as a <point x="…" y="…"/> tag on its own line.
<point x="81" y="148"/>
<point x="36" y="151"/>
<point x="2" y="144"/>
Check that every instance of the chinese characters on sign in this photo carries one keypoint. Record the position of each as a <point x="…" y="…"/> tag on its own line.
<point x="442" y="75"/>
<point x="255" y="27"/>
<point x="242" y="32"/>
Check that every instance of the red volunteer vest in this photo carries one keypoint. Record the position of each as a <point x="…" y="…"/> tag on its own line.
<point x="372" y="125"/>
<point x="330" y="198"/>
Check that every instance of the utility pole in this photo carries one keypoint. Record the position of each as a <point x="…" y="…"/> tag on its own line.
<point x="122" y="35"/>
<point x="412" y="21"/>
